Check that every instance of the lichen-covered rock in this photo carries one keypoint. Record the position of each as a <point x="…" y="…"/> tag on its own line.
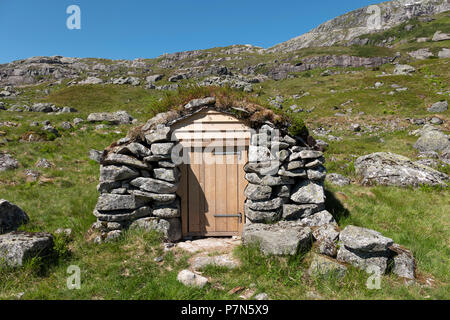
<point x="122" y="159"/>
<point x="439" y="106"/>
<point x="190" y="279"/>
<point x="387" y="168"/>
<point x="364" y="260"/>
<point x="170" y="228"/>
<point x="123" y="215"/>
<point x="171" y="210"/>
<point x="432" y="139"/>
<point x="11" y="217"/>
<point x="337" y="179"/>
<point x="117" y="173"/>
<point x="154" y="185"/>
<point x="257" y="192"/>
<point x="404" y="263"/>
<point x="319" y="219"/>
<point x="363" y="239"/>
<point x="260" y="216"/>
<point x="119" y="117"/>
<point x="298" y="211"/>
<point x="17" y="247"/>
<point x="282" y="238"/>
<point x="7" y="162"/>
<point x="112" y="202"/>
<point x="308" y="192"/>
<point x="272" y="204"/>
<point x="263" y="168"/>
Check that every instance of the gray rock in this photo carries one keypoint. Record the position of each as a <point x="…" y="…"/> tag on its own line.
<point x="122" y="159"/>
<point x="404" y="263"/>
<point x="444" y="53"/>
<point x="310" y="154"/>
<point x="432" y="139"/>
<point x="170" y="210"/>
<point x="196" y="103"/>
<point x="117" y="173"/>
<point x="157" y="197"/>
<point x="113" y="235"/>
<point x="317" y="174"/>
<point x="326" y="232"/>
<point x="395" y="170"/>
<point x="113" y="202"/>
<point x="318" y="219"/>
<point x="17" y="247"/>
<point x="282" y="238"/>
<point x="270" y="181"/>
<point x="267" y="205"/>
<point x="161" y="133"/>
<point x="11" y="217"/>
<point x="328" y="248"/>
<point x="154" y="78"/>
<point x="421" y="54"/>
<point x="440" y="106"/>
<point x="135" y="149"/>
<point x="257" y="192"/>
<point x="262" y="168"/>
<point x="256" y="216"/>
<point x="364" y="260"/>
<point x="77" y="121"/>
<point x="296" y="173"/>
<point x="440" y="36"/>
<point x="325" y="267"/>
<point x="162" y="148"/>
<point x="7" y="162"/>
<point x="404" y="69"/>
<point x="298" y="211"/>
<point x="119" y="117"/>
<point x="43" y="163"/>
<point x="190" y="279"/>
<point x="170" y="228"/>
<point x="262" y="296"/>
<point x="366" y="240"/>
<point x="337" y="179"/>
<point x="170" y="175"/>
<point x="154" y="185"/>
<point x="66" y="125"/>
<point x="123" y="216"/>
<point x="95" y="155"/>
<point x="308" y="192"/>
<point x="108" y="186"/>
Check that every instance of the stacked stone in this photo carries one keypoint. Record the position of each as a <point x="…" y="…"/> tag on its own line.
<point x="138" y="184"/>
<point x="285" y="179"/>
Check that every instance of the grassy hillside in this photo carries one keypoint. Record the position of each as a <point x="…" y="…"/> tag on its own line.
<point x="64" y="196"/>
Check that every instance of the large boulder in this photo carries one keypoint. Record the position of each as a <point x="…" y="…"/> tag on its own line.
<point x="119" y="117"/>
<point x="17" y="247"/>
<point x="391" y="169"/>
<point x="404" y="69"/>
<point x="364" y="248"/>
<point x="282" y="238"/>
<point x="432" y="139"/>
<point x="11" y="217"/>
<point x="439" y="106"/>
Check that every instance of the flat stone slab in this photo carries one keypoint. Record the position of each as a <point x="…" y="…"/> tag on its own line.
<point x="282" y="238"/>
<point x="363" y="239"/>
<point x="17" y="247"/>
<point x="191" y="279"/>
<point x="224" y="260"/>
<point x="209" y="245"/>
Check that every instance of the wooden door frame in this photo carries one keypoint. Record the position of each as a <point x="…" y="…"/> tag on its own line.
<point x="241" y="143"/>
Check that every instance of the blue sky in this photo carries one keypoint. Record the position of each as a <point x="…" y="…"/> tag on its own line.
<point x="132" y="29"/>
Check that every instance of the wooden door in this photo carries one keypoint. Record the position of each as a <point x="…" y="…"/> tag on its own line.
<point x="212" y="191"/>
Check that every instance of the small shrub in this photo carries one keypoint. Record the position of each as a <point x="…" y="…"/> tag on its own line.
<point x="298" y="127"/>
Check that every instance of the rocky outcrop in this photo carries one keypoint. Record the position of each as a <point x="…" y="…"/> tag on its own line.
<point x="7" y="162"/>
<point x="363" y="21"/>
<point x="17" y="247"/>
<point x="391" y="169"/>
<point x="11" y="217"/>
<point x="432" y="139"/>
<point x="119" y="117"/>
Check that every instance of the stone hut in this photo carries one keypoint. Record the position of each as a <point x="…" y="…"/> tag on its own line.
<point x="208" y="170"/>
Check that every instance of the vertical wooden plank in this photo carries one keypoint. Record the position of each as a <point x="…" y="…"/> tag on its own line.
<point x="183" y="194"/>
<point x="221" y="194"/>
<point x="194" y="190"/>
<point x="201" y="194"/>
<point x="210" y="192"/>
<point x="232" y="193"/>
